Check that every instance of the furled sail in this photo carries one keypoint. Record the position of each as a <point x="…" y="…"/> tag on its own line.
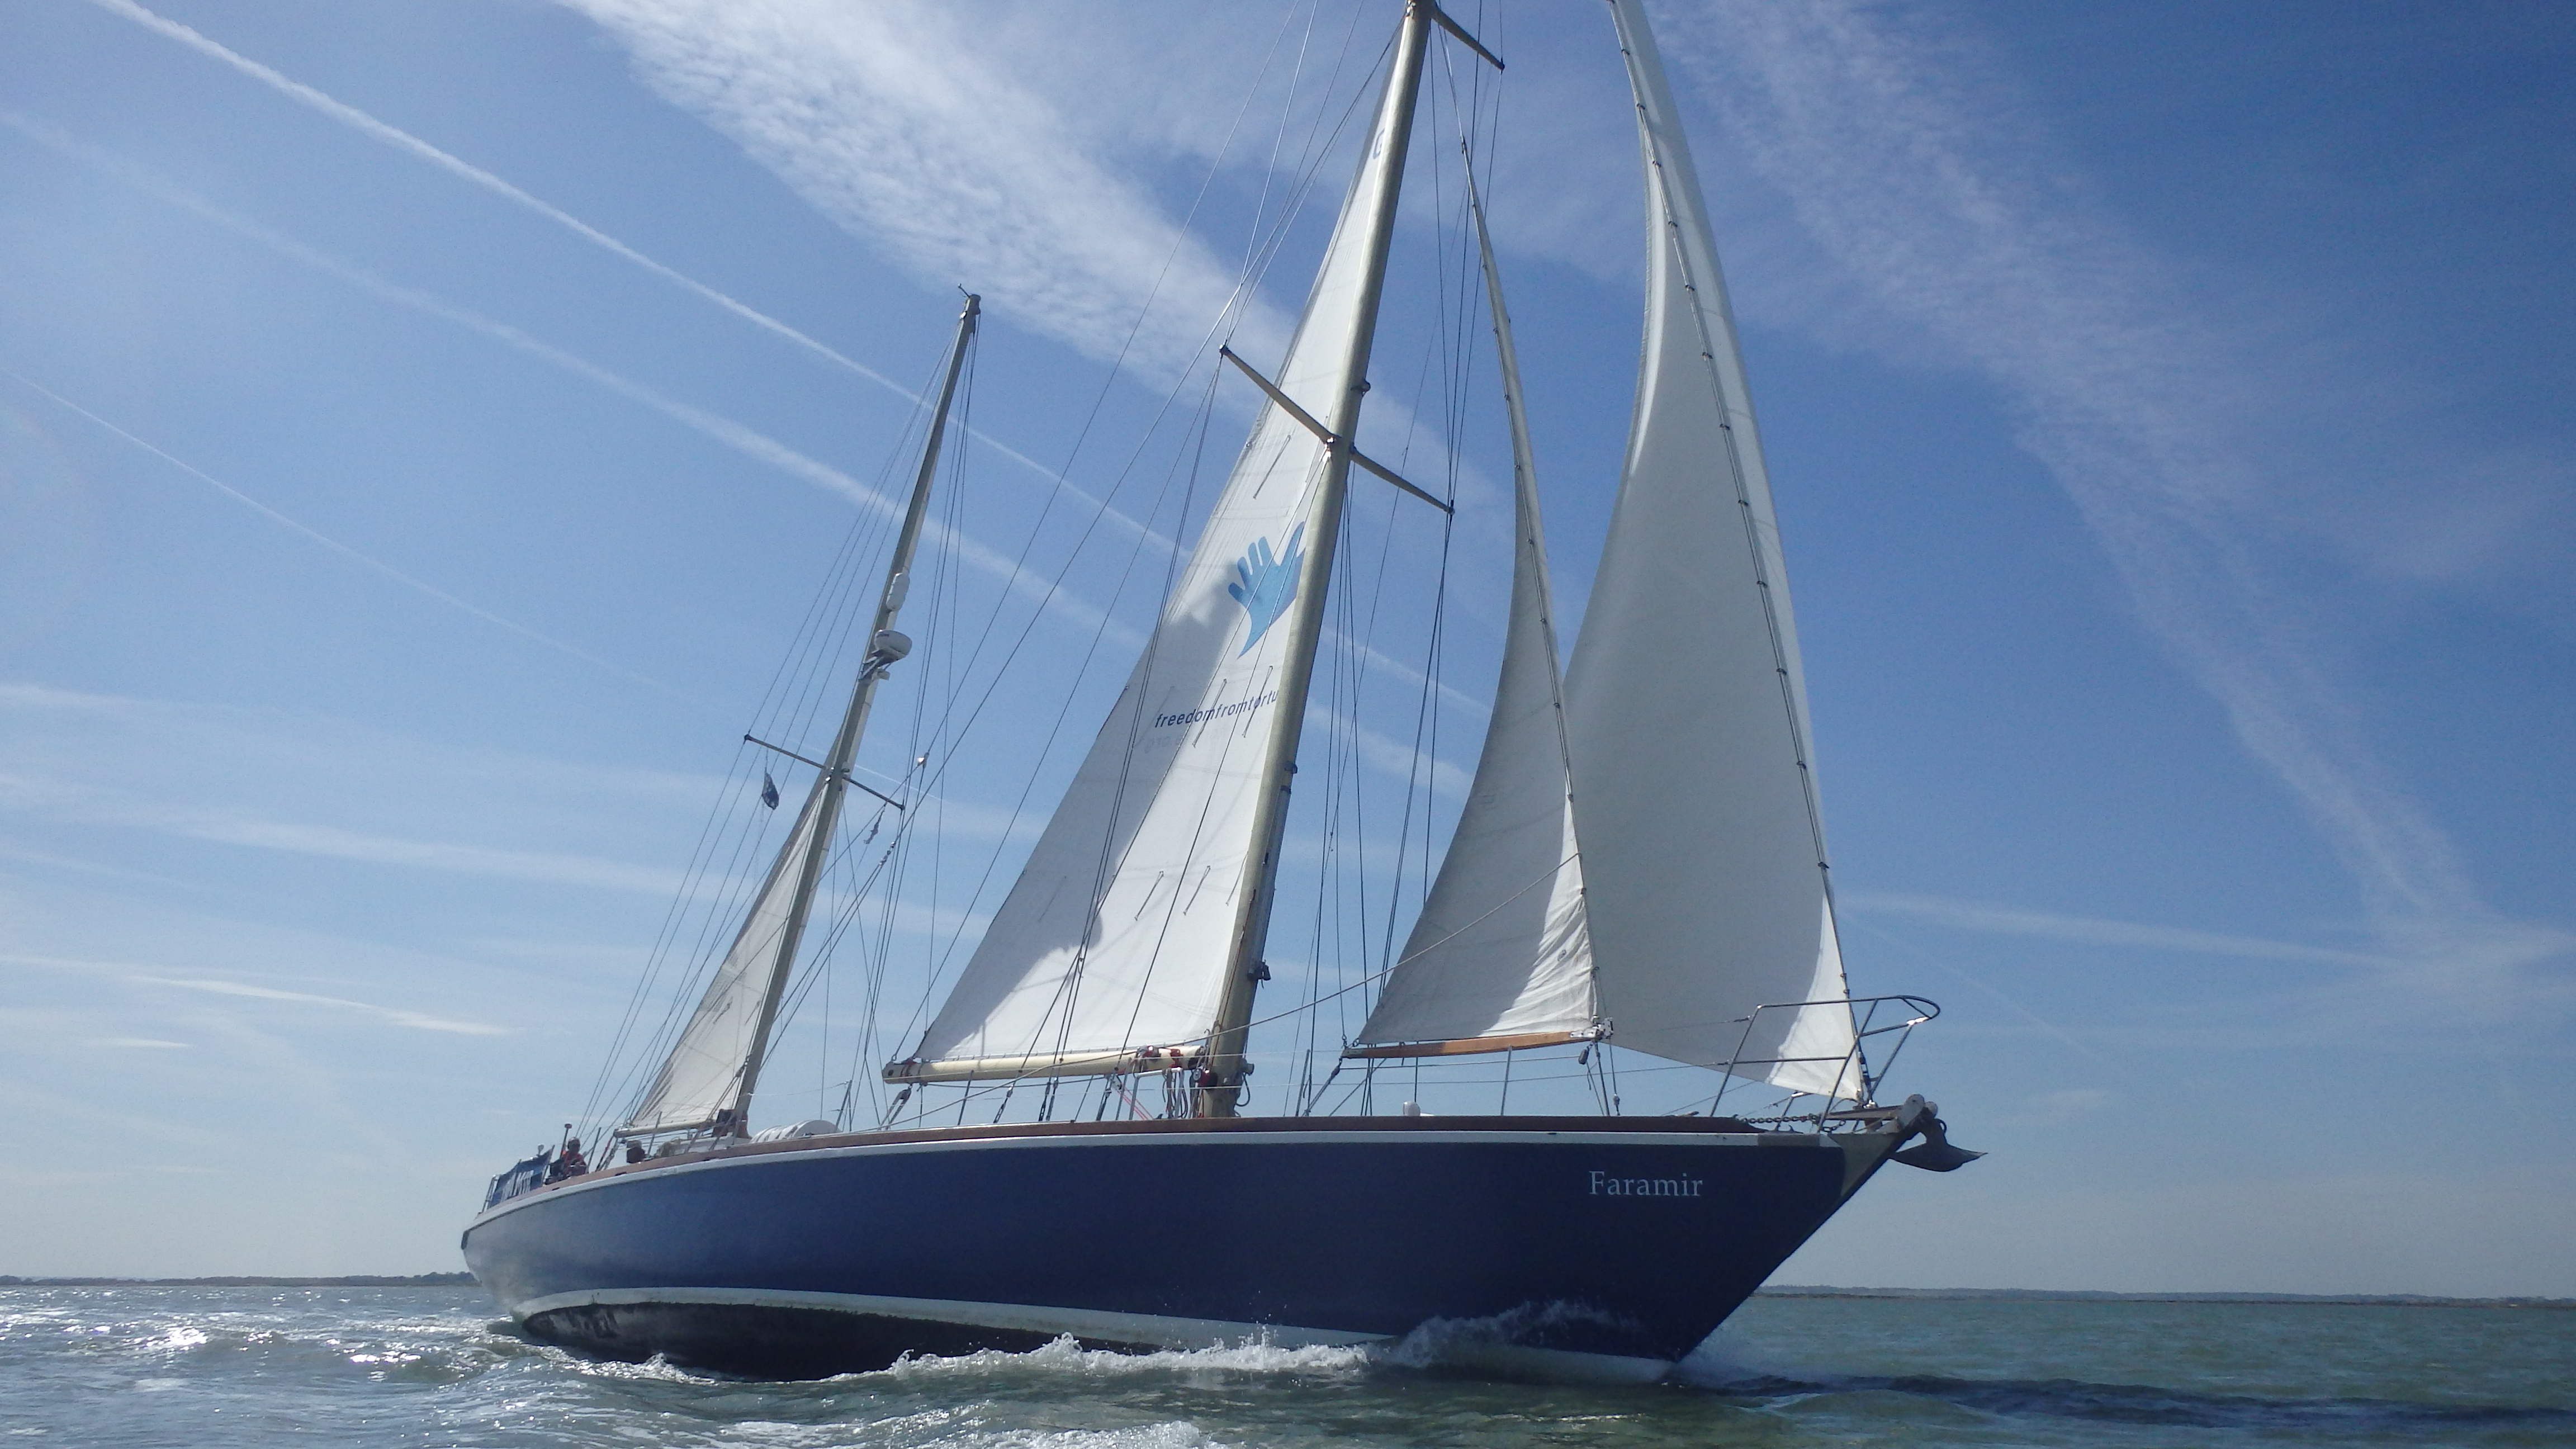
<point x="1500" y="957"/>
<point x="1113" y="950"/>
<point x="1694" y="793"/>
<point x="703" y="1075"/>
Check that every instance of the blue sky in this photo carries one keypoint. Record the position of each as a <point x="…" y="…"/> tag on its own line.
<point x="428" y="425"/>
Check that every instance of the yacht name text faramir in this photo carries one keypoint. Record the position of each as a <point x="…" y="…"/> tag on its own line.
<point x="1604" y="1185"/>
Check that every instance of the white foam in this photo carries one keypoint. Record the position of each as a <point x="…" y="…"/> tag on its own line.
<point x="1068" y="1357"/>
<point x="965" y="1430"/>
<point x="1439" y="1339"/>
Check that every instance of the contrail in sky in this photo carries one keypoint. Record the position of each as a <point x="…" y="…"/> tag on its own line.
<point x="2095" y="931"/>
<point x="723" y="430"/>
<point x="750" y="443"/>
<point x="401" y="140"/>
<point x="889" y="121"/>
<point x="2124" y="392"/>
<point x="365" y="561"/>
<point x="977" y="222"/>
<point x="419" y="1021"/>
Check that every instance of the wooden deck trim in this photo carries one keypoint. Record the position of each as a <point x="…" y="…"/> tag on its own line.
<point x="1470" y="1045"/>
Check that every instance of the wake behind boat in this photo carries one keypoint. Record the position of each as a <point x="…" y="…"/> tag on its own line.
<point x="1640" y="866"/>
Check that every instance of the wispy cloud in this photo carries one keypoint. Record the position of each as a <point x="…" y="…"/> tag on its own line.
<point x="216" y="986"/>
<point x="418" y="1021"/>
<point x="888" y="119"/>
<point x="1007" y="149"/>
<point x="1937" y="203"/>
<point x="70" y="744"/>
<point x="536" y="866"/>
<point x="952" y="156"/>
<point x="1397" y="758"/>
<point x="2094" y="931"/>
<point x="749" y="442"/>
<point x="362" y="559"/>
<point x="411" y="145"/>
<point x="70" y="802"/>
<point x="269" y="749"/>
<point x="323" y="789"/>
<point x="403" y="141"/>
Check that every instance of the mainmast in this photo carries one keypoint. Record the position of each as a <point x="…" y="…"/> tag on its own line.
<point x="1132" y="940"/>
<point x="1221" y="1082"/>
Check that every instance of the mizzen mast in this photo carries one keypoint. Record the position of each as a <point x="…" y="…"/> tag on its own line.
<point x="885" y="647"/>
<point x="707" y="1081"/>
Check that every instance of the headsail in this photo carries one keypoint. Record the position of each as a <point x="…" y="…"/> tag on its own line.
<point x="1128" y="940"/>
<point x="1500" y="956"/>
<point x="1704" y="847"/>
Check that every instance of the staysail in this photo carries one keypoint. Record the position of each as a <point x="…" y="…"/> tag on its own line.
<point x="1500" y="956"/>
<point x="1694" y="791"/>
<point x="1131" y="934"/>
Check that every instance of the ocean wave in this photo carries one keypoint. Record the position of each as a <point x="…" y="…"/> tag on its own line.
<point x="245" y="1371"/>
<point x="1743" y="1375"/>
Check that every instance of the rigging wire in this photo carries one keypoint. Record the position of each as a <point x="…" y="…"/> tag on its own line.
<point x="1259" y="256"/>
<point x="725" y="815"/>
<point x="725" y="819"/>
<point x="886" y="879"/>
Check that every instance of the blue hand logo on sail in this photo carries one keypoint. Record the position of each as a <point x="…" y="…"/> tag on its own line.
<point x="1265" y="586"/>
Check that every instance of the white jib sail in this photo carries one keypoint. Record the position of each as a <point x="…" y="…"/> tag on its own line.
<point x="1115" y="940"/>
<point x="704" y="1073"/>
<point x="1500" y="950"/>
<point x="1704" y="851"/>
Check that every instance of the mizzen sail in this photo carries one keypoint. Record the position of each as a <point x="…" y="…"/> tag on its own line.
<point x="1694" y="789"/>
<point x="714" y="1065"/>
<point x="702" y="1078"/>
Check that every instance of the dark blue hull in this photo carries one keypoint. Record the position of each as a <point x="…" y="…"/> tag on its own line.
<point x="1585" y="1245"/>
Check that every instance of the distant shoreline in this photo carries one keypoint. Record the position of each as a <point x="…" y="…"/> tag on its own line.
<point x="2084" y="1295"/>
<point x="1781" y="1290"/>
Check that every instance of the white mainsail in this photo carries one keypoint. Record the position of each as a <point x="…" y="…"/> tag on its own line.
<point x="1113" y="950"/>
<point x="1694" y="792"/>
<point x="703" y="1075"/>
<point x="1500" y="956"/>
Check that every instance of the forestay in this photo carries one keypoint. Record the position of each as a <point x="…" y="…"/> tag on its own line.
<point x="1110" y="953"/>
<point x="1694" y="795"/>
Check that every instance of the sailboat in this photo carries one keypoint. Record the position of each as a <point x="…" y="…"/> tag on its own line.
<point x="1640" y="865"/>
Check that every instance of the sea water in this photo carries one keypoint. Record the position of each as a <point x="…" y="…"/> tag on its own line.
<point x="217" y="1367"/>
